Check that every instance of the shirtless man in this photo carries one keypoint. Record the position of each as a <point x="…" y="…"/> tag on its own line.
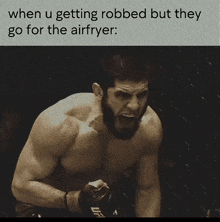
<point x="79" y="149"/>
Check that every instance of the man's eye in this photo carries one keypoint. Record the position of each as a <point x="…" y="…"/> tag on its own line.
<point x="142" y="95"/>
<point x="123" y="95"/>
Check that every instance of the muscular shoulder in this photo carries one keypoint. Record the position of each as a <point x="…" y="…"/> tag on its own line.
<point x="151" y="122"/>
<point x="57" y="127"/>
<point x="53" y="132"/>
<point x="75" y="105"/>
<point x="152" y="131"/>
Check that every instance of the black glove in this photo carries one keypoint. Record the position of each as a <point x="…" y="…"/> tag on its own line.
<point x="96" y="199"/>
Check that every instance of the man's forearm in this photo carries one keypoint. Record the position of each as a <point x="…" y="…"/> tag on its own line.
<point x="148" y="202"/>
<point x="40" y="194"/>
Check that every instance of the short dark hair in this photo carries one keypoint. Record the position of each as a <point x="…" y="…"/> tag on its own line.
<point x="123" y="67"/>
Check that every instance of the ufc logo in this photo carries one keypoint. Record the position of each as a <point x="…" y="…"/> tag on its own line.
<point x="97" y="212"/>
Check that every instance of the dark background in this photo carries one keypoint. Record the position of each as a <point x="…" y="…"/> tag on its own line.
<point x="186" y="97"/>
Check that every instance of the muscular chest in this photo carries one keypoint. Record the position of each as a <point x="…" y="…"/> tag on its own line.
<point x="93" y="151"/>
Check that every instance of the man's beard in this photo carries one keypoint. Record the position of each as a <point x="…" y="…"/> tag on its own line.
<point x="110" y="119"/>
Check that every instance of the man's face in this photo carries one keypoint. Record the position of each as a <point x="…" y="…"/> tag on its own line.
<point x="124" y="107"/>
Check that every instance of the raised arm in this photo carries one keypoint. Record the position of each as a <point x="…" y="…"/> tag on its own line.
<point x="48" y="141"/>
<point x="148" y="198"/>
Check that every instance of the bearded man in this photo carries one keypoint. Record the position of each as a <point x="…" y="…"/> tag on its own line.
<point x="94" y="154"/>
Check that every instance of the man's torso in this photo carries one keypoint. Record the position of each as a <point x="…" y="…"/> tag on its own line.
<point x="95" y="155"/>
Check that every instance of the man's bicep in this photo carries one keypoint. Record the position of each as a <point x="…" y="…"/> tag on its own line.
<point x="34" y="164"/>
<point x="147" y="174"/>
<point x="148" y="163"/>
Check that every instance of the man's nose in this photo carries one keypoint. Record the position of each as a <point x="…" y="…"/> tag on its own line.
<point x="133" y="104"/>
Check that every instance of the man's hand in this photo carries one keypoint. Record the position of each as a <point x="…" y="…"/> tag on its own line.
<point x="94" y="194"/>
<point x="98" y="184"/>
<point x="95" y="199"/>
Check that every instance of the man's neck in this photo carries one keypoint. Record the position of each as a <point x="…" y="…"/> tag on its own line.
<point x="95" y="119"/>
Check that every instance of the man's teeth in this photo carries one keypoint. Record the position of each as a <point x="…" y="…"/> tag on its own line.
<point x="128" y="115"/>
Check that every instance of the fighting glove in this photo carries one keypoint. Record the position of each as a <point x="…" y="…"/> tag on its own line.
<point x="96" y="199"/>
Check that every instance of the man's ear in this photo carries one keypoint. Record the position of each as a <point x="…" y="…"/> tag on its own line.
<point x="97" y="90"/>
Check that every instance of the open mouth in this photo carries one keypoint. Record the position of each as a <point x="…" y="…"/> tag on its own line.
<point x="126" y="119"/>
<point x="128" y="115"/>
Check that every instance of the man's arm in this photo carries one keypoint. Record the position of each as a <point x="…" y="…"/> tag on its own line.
<point x="47" y="142"/>
<point x="148" y="191"/>
<point x="148" y="198"/>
